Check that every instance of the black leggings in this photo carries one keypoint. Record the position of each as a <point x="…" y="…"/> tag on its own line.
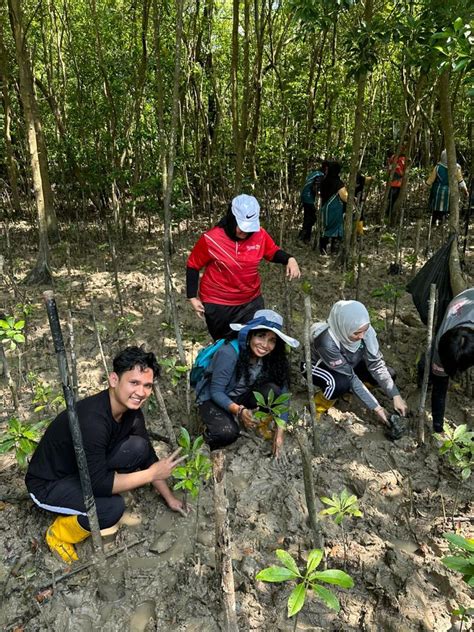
<point x="221" y="426"/>
<point x="334" y="384"/>
<point x="219" y="317"/>
<point x="65" y="495"/>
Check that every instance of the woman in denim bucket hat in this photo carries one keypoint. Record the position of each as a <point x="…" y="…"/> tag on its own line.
<point x="225" y="393"/>
<point x="230" y="253"/>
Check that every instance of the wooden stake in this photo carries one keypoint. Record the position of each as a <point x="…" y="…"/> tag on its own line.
<point x="426" y="375"/>
<point x="223" y="542"/>
<point x="164" y="415"/>
<point x="309" y="374"/>
<point x="309" y="487"/>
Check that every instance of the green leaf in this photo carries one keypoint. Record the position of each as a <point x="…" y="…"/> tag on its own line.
<point x="333" y="576"/>
<point x="328" y="501"/>
<point x="275" y="574"/>
<point x="197" y="443"/>
<point x="314" y="558"/>
<point x="6" y="445"/>
<point x="19" y="325"/>
<point x="184" y="439"/>
<point x="287" y="561"/>
<point x="326" y="595"/>
<point x="329" y="512"/>
<point x="296" y="599"/>
<point x="466" y="473"/>
<point x="259" y="398"/>
<point x="458" y="23"/>
<point x="459" y="541"/>
<point x="459" y="431"/>
<point x="460" y="564"/>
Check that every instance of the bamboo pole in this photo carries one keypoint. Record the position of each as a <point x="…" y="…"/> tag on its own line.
<point x="426" y="374"/>
<point x="223" y="542"/>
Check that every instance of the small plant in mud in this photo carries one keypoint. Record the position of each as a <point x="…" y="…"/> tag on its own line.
<point x="20" y="439"/>
<point x="11" y="332"/>
<point x="195" y="470"/>
<point x="458" y="447"/>
<point x="390" y="294"/>
<point x="465" y="617"/>
<point x="174" y="370"/>
<point x="462" y="559"/>
<point x="274" y="409"/>
<point x="340" y="506"/>
<point x="43" y="395"/>
<point x="310" y="580"/>
<point x="125" y="326"/>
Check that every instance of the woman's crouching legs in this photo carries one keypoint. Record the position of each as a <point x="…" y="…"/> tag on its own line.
<point x="221" y="427"/>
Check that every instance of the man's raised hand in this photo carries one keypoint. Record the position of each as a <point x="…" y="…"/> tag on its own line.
<point x="161" y="470"/>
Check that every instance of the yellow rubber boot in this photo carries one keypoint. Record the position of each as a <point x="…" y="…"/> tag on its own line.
<point x="322" y="404"/>
<point x="360" y="227"/>
<point x="62" y="534"/>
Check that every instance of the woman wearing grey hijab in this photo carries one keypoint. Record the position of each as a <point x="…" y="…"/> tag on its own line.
<point x="439" y="193"/>
<point x="345" y="353"/>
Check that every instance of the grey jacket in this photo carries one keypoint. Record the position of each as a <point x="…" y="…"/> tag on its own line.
<point x="325" y="349"/>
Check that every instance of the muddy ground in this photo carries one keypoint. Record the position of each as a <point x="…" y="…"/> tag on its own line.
<point x="406" y="491"/>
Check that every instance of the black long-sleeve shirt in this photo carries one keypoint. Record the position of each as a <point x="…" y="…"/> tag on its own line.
<point x="54" y="458"/>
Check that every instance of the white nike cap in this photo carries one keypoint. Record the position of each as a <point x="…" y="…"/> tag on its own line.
<point x="246" y="211"/>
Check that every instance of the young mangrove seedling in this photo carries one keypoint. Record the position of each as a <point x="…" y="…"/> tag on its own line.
<point x="10" y="332"/>
<point x="273" y="410"/>
<point x="462" y="560"/>
<point x="195" y="469"/>
<point x="21" y="439"/>
<point x="458" y="447"/>
<point x="341" y="506"/>
<point x="175" y="371"/>
<point x="310" y="580"/>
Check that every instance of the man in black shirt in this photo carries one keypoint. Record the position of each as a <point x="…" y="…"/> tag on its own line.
<point x="119" y="455"/>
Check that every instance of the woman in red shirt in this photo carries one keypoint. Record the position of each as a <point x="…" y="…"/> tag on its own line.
<point x="230" y="253"/>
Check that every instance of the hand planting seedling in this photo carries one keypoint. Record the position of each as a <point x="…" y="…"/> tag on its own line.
<point x="274" y="408"/>
<point x="21" y="439"/>
<point x="195" y="470"/>
<point x="309" y="581"/>
<point x="341" y="506"/>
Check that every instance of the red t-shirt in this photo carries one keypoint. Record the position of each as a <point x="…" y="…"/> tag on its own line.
<point x="231" y="276"/>
<point x="399" y="170"/>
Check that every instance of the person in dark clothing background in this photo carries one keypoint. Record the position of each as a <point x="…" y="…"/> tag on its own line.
<point x="308" y="197"/>
<point x="453" y="351"/>
<point x="333" y="200"/>
<point x="230" y="253"/>
<point x="119" y="455"/>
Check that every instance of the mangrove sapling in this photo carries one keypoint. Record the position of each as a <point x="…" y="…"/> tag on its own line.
<point x="20" y="439"/>
<point x="310" y="580"/>
<point x="462" y="559"/>
<point x="390" y="294"/>
<point x="458" y="447"/>
<point x="273" y="410"/>
<point x="341" y="506"/>
<point x="195" y="470"/>
<point x="466" y="615"/>
<point x="174" y="370"/>
<point x="11" y="335"/>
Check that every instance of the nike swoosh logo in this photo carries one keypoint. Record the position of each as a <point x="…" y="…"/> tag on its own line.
<point x="250" y="216"/>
